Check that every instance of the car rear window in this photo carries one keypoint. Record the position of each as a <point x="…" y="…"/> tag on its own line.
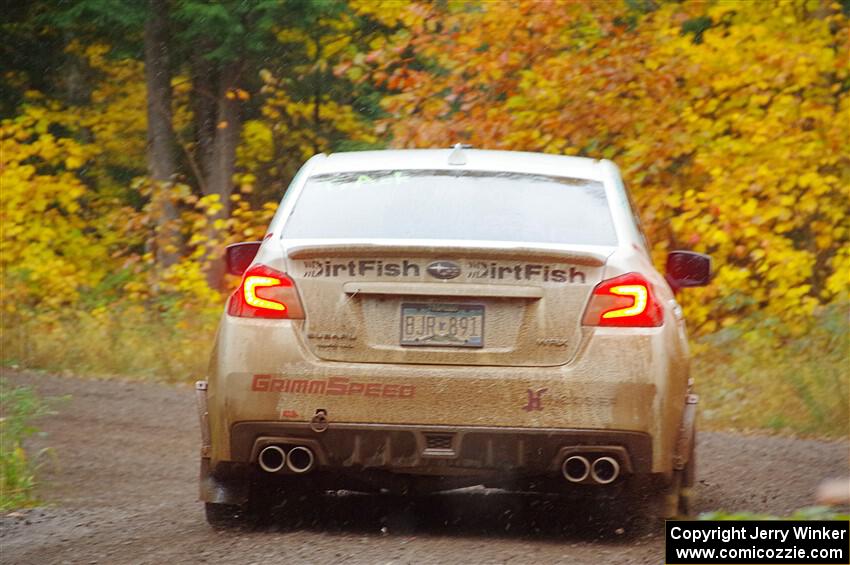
<point x="459" y="205"/>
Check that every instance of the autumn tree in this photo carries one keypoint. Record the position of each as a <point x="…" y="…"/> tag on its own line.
<point x="308" y="106"/>
<point x="731" y="122"/>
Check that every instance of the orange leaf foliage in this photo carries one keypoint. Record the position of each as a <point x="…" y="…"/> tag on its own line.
<point x="735" y="138"/>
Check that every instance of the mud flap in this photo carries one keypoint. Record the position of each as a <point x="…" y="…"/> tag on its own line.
<point x="678" y="497"/>
<point x="686" y="436"/>
<point x="203" y="416"/>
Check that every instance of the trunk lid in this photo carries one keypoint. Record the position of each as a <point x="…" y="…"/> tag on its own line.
<point x="444" y="305"/>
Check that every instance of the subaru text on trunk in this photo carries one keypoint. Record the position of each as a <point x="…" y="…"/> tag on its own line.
<point x="424" y="320"/>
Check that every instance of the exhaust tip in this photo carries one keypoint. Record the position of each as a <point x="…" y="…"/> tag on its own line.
<point x="575" y="468"/>
<point x="605" y="470"/>
<point x="272" y="459"/>
<point x="301" y="459"/>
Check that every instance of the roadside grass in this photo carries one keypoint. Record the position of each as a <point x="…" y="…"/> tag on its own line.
<point x="19" y="407"/>
<point x="756" y="376"/>
<point x="167" y="344"/>
<point x="808" y="513"/>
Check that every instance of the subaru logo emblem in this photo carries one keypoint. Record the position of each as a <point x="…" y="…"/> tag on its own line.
<point x="443" y="270"/>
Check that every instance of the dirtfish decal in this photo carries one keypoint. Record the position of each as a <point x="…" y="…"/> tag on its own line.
<point x="361" y="268"/>
<point x="523" y="272"/>
<point x="472" y="270"/>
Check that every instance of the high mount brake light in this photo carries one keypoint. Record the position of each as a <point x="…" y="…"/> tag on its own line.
<point x="265" y="293"/>
<point x="624" y="301"/>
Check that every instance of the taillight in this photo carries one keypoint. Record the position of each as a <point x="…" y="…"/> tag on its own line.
<point x="624" y="301"/>
<point x="266" y="293"/>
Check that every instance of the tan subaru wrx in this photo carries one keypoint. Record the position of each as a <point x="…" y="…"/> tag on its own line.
<point x="425" y="320"/>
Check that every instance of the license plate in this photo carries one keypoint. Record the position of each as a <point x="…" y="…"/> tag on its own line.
<point x="452" y="325"/>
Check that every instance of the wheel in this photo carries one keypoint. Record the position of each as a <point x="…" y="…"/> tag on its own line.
<point x="687" y="493"/>
<point x="671" y="497"/>
<point x="679" y="496"/>
<point x="256" y="511"/>
<point x="649" y="501"/>
<point x="223" y="515"/>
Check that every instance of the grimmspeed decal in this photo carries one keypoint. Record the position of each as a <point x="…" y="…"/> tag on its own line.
<point x="470" y="270"/>
<point x="333" y="386"/>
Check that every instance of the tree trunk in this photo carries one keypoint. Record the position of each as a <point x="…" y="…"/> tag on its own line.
<point x="204" y="98"/>
<point x="222" y="164"/>
<point x="162" y="163"/>
<point x="219" y="160"/>
<point x="317" y="94"/>
<point x="77" y="89"/>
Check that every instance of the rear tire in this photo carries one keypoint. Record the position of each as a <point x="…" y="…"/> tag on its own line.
<point x="643" y="502"/>
<point x="255" y="512"/>
<point x="221" y="516"/>
<point x="649" y="504"/>
<point x="687" y="492"/>
<point x="671" y="497"/>
<point x="679" y="498"/>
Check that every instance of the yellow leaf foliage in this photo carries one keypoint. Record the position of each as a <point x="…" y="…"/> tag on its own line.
<point x="47" y="254"/>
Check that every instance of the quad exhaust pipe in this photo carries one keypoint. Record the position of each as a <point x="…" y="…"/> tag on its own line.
<point x="576" y="468"/>
<point x="300" y="460"/>
<point x="273" y="459"/>
<point x="603" y="470"/>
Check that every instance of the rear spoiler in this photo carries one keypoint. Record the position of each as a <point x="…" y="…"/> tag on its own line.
<point x="577" y="257"/>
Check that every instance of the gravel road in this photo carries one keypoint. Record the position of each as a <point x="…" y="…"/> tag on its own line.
<point x="121" y="486"/>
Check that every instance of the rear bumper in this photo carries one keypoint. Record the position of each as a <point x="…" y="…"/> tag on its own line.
<point x="443" y="450"/>
<point x="405" y="459"/>
<point x="263" y="380"/>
